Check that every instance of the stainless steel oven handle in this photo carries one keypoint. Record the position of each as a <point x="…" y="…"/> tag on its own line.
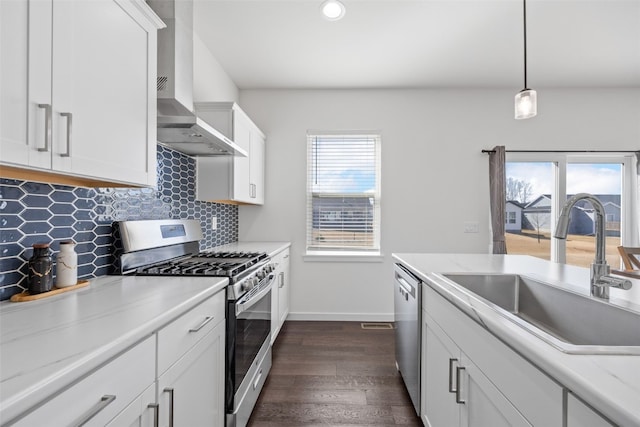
<point x="244" y="306"/>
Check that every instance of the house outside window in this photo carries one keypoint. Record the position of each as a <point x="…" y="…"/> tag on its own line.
<point x="511" y="217"/>
<point x="343" y="193"/>
<point x="542" y="183"/>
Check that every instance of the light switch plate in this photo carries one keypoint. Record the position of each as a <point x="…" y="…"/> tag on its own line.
<point x="471" y="227"/>
<point x="214" y="222"/>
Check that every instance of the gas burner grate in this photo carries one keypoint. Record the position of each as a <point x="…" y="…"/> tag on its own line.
<point x="220" y="264"/>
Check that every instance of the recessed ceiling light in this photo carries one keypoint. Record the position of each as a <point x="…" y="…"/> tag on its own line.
<point x="333" y="10"/>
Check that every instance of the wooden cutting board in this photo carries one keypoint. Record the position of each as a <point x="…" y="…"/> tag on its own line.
<point x="26" y="296"/>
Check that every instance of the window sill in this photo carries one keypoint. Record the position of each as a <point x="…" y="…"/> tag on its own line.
<point x="341" y="256"/>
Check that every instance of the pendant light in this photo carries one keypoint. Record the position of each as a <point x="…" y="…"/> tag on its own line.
<point x="526" y="101"/>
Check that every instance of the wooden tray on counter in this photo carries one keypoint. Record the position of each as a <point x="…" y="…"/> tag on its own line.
<point x="26" y="296"/>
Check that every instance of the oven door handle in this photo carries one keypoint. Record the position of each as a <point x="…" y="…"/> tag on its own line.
<point x="241" y="307"/>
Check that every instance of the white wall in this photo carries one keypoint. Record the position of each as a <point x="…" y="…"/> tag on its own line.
<point x="434" y="177"/>
<point x="210" y="81"/>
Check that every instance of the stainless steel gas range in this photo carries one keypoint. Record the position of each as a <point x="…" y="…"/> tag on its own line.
<point x="170" y="247"/>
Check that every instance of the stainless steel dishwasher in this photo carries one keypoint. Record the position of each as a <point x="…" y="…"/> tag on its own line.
<point x="407" y="319"/>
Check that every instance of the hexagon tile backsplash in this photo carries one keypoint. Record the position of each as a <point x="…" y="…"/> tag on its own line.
<point x="32" y="212"/>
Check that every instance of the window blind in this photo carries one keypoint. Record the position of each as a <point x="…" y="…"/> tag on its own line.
<point x="343" y="192"/>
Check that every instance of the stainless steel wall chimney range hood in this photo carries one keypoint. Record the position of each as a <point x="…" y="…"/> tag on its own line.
<point x="178" y="126"/>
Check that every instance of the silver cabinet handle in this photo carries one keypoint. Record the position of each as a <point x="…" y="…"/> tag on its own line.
<point x="281" y="277"/>
<point x="104" y="402"/>
<point x="257" y="381"/>
<point x="69" y="117"/>
<point x="202" y="325"/>
<point x="451" y="362"/>
<point x="170" y="391"/>
<point x="156" y="413"/>
<point x="47" y="126"/>
<point x="458" y="399"/>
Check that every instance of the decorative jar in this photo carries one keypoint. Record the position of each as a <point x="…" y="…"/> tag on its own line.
<point x="67" y="265"/>
<point x="40" y="277"/>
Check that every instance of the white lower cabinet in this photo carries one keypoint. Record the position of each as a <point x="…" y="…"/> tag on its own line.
<point x="438" y="406"/>
<point x="280" y="292"/>
<point x="191" y="391"/>
<point x="191" y="371"/>
<point x="103" y="394"/>
<point x="581" y="415"/>
<point x="470" y="378"/>
<point x="175" y="377"/>
<point x="458" y="393"/>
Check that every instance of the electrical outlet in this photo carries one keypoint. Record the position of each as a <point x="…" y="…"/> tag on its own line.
<point x="214" y="222"/>
<point x="471" y="227"/>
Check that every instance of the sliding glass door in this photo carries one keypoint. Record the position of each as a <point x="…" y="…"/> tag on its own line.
<point x="538" y="186"/>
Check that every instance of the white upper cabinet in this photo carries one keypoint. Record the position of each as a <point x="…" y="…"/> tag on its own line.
<point x="80" y="88"/>
<point x="232" y="179"/>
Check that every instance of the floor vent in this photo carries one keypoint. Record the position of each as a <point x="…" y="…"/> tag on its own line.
<point x="376" y="325"/>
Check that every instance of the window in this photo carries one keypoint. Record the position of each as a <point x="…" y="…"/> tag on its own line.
<point x="542" y="184"/>
<point x="511" y="217"/>
<point x="343" y="192"/>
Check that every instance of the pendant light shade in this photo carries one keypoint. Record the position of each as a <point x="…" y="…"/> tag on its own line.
<point x="526" y="101"/>
<point x="526" y="104"/>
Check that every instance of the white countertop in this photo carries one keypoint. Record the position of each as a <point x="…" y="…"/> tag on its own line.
<point x="609" y="383"/>
<point x="47" y="344"/>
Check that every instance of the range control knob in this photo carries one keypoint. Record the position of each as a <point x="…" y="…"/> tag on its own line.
<point x="268" y="268"/>
<point x="261" y="274"/>
<point x="245" y="286"/>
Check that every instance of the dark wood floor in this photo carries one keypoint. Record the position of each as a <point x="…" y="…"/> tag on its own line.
<point x="333" y="374"/>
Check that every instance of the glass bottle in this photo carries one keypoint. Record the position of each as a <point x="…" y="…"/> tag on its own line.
<point x="40" y="278"/>
<point x="67" y="265"/>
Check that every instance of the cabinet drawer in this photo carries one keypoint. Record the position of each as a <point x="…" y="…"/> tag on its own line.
<point x="281" y="258"/>
<point x="101" y="395"/>
<point x="179" y="336"/>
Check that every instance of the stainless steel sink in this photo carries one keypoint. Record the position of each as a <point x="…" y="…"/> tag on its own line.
<point x="572" y="322"/>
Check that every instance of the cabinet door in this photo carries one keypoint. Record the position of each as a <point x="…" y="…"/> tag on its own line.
<point x="191" y="392"/>
<point x="284" y="288"/>
<point x="440" y="358"/>
<point x="101" y="80"/>
<point x="275" y="312"/>
<point x="25" y="82"/>
<point x="580" y="415"/>
<point x="242" y="189"/>
<point x="257" y="166"/>
<point x="140" y="413"/>
<point x="484" y="405"/>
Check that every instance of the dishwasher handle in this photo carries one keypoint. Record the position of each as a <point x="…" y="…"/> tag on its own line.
<point x="404" y="288"/>
<point x="407" y="283"/>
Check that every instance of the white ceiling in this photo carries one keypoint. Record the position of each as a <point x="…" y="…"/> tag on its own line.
<point x="423" y="43"/>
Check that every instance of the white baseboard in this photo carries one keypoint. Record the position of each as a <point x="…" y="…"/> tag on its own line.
<point x="343" y="317"/>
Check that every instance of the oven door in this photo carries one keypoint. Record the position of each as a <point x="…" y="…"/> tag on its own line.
<point x="248" y="329"/>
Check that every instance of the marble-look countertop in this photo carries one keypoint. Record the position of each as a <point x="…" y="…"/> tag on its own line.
<point x="48" y="344"/>
<point x="609" y="383"/>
